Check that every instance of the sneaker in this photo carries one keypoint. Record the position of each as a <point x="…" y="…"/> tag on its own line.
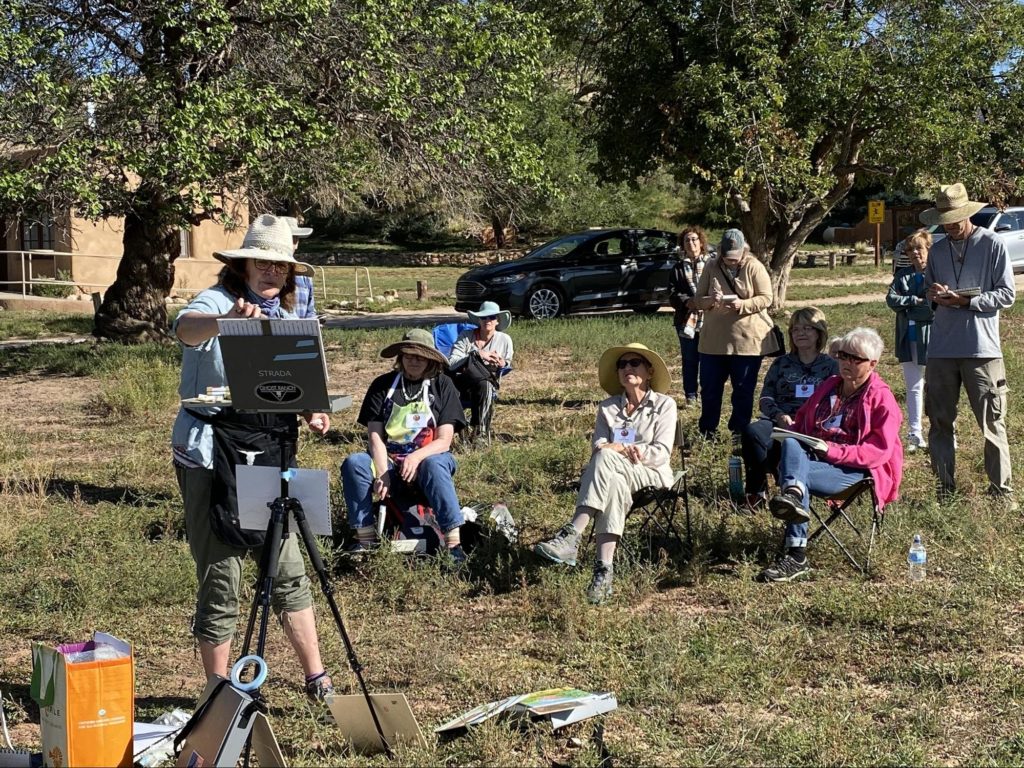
<point x="915" y="443"/>
<point x="458" y="554"/>
<point x="600" y="588"/>
<point x="319" y="688"/>
<point x="787" y="568"/>
<point x="562" y="548"/>
<point x="789" y="506"/>
<point x="690" y="402"/>
<point x="360" y="548"/>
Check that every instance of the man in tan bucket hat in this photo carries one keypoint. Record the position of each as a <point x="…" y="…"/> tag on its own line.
<point x="970" y="279"/>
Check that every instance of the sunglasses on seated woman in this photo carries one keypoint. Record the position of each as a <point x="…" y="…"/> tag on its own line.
<point x="279" y="267"/>
<point x="633" y="362"/>
<point x="850" y="358"/>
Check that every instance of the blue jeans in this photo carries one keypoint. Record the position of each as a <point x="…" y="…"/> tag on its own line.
<point x="742" y="370"/>
<point x="691" y="363"/>
<point x="799" y="469"/>
<point x="434" y="478"/>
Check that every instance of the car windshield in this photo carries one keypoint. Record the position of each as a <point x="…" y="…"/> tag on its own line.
<point x="558" y="247"/>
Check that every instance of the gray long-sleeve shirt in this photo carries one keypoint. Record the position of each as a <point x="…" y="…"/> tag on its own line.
<point x="971" y="331"/>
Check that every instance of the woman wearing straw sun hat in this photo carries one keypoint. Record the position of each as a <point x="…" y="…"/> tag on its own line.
<point x="411" y="415"/>
<point x="477" y="358"/>
<point x="258" y="280"/>
<point x="632" y="448"/>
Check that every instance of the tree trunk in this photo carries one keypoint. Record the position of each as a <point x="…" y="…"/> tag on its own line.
<point x="499" y="231"/>
<point x="133" y="308"/>
<point x="780" y="284"/>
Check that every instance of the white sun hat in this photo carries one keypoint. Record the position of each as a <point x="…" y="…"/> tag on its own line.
<point x="268" y="238"/>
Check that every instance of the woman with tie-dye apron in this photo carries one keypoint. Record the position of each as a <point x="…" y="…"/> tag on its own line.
<point x="411" y="415"/>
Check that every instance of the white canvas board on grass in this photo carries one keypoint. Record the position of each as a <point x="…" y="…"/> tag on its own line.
<point x="258" y="486"/>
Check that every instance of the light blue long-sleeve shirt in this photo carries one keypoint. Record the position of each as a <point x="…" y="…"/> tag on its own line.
<point x="971" y="331"/>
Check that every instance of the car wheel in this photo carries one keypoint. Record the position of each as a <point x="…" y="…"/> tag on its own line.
<point x="544" y="303"/>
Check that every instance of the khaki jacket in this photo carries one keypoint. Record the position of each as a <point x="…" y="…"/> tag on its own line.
<point x="747" y="332"/>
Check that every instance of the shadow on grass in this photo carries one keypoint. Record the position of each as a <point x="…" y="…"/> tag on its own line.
<point x="22" y="695"/>
<point x="89" y="493"/>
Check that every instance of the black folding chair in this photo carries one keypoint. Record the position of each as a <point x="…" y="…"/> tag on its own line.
<point x="657" y="508"/>
<point x="841" y="508"/>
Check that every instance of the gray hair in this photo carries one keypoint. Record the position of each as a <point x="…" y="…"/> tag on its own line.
<point x="864" y="342"/>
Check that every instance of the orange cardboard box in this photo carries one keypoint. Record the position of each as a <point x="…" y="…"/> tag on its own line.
<point x="86" y="706"/>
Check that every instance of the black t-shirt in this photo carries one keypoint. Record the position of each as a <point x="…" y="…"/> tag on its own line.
<point x="442" y="396"/>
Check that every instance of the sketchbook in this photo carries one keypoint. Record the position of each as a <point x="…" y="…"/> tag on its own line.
<point x="814" y="443"/>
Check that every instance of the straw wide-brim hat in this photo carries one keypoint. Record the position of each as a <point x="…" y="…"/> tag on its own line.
<point x="416" y="342"/>
<point x="951" y="205"/>
<point x="608" y="374"/>
<point x="491" y="309"/>
<point x="268" y="238"/>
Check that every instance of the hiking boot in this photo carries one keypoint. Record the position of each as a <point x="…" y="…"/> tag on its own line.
<point x="600" y="588"/>
<point x="562" y="548"/>
<point x="319" y="688"/>
<point x="789" y="506"/>
<point x="787" y="568"/>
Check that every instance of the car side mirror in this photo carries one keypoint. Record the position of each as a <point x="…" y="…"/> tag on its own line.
<point x="1003" y="228"/>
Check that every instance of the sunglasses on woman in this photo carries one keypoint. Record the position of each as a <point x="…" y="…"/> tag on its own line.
<point x="846" y="356"/>
<point x="633" y="362"/>
<point x="278" y="267"/>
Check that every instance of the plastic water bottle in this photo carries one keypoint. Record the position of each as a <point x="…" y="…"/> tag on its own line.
<point x="917" y="557"/>
<point x="735" y="477"/>
<point x="503" y="522"/>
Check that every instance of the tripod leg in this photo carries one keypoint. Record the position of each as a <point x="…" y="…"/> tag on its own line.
<point x="328" y="590"/>
<point x="265" y="578"/>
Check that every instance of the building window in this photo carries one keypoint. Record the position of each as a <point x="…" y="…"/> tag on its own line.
<point x="37" y="234"/>
<point x="185" y="240"/>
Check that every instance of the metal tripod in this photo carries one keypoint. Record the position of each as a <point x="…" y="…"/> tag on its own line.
<point x="280" y="509"/>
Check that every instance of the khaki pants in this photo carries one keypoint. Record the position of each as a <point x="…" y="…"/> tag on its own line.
<point x="219" y="566"/>
<point x="608" y="485"/>
<point x="985" y="382"/>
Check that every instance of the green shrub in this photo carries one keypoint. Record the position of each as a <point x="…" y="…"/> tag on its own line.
<point x="56" y="290"/>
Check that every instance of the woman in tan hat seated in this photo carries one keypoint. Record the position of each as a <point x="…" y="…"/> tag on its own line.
<point x="477" y="359"/>
<point x="632" y="449"/>
<point x="411" y="415"/>
<point x="257" y="281"/>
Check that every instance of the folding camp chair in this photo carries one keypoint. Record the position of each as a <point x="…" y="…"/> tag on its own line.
<point x="657" y="507"/>
<point x="841" y="507"/>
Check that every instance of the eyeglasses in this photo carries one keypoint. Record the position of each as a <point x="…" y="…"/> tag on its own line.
<point x="692" y="238"/>
<point x="277" y="267"/>
<point x="633" y="362"/>
<point x="847" y="357"/>
<point x="413" y="358"/>
<point x="488" y="319"/>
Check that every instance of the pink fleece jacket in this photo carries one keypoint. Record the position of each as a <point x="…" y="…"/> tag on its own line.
<point x="874" y="427"/>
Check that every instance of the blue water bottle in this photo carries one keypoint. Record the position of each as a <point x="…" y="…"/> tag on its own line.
<point x="735" y="477"/>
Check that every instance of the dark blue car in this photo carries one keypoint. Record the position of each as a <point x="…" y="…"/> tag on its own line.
<point x="585" y="271"/>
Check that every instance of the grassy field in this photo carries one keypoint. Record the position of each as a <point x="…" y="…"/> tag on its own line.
<point x="708" y="666"/>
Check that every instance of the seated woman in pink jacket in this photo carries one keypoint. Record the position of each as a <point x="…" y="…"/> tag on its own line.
<point x="857" y="416"/>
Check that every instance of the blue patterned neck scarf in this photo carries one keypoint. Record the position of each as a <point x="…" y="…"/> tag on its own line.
<point x="269" y="307"/>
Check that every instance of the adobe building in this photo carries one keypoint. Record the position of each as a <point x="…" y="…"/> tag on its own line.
<point x="88" y="252"/>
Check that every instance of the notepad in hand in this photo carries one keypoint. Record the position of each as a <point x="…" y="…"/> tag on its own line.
<point x="813" y="443"/>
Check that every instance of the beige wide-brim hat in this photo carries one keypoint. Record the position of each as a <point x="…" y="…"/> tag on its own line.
<point x="951" y="205"/>
<point x="417" y="342"/>
<point x="491" y="309"/>
<point x="268" y="238"/>
<point x="608" y="374"/>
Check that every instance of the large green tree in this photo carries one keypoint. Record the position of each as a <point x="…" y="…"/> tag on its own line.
<point x="782" y="107"/>
<point x="156" y="111"/>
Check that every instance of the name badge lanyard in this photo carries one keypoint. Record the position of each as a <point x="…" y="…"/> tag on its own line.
<point x="390" y="397"/>
<point x="626" y="430"/>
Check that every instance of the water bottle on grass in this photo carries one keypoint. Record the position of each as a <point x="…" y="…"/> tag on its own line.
<point x="736" y="477"/>
<point x="917" y="558"/>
